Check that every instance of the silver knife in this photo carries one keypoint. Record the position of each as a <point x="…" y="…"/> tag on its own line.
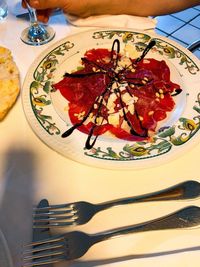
<point x="42" y="233"/>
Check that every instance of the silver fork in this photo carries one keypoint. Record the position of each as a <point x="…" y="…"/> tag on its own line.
<point x="81" y="212"/>
<point x="73" y="245"/>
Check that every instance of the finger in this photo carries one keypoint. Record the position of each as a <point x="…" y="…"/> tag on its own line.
<point x="24" y="4"/>
<point x="43" y="4"/>
<point x="43" y="15"/>
<point x="42" y="18"/>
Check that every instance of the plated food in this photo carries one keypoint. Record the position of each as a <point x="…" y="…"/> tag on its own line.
<point x="9" y="81"/>
<point x="124" y="112"/>
<point x="110" y="92"/>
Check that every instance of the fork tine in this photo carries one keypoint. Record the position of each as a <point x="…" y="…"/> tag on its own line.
<point x="44" y="262"/>
<point x="55" y="218"/>
<point x="44" y="241"/>
<point x="42" y="248"/>
<point x="54" y="212"/>
<point x="46" y="251"/>
<point x="44" y="254"/>
<point x="60" y="206"/>
<point x="54" y="224"/>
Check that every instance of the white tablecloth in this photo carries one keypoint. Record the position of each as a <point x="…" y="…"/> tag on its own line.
<point x="29" y="171"/>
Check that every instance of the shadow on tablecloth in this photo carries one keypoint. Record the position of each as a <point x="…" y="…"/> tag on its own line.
<point x="106" y="262"/>
<point x="17" y="200"/>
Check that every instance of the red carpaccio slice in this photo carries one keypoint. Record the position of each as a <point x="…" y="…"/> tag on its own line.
<point x="88" y="91"/>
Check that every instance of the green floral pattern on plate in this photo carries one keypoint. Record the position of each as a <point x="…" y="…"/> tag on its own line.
<point x="41" y="86"/>
<point x="162" y="142"/>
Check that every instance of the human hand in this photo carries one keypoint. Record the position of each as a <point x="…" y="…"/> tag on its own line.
<point x="42" y="14"/>
<point x="44" y="8"/>
<point x="86" y="8"/>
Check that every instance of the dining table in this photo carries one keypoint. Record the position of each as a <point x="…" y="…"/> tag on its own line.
<point x="31" y="170"/>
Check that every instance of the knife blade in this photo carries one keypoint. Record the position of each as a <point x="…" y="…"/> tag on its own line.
<point x="42" y="233"/>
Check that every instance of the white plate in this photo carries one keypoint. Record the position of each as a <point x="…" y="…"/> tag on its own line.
<point x="45" y="110"/>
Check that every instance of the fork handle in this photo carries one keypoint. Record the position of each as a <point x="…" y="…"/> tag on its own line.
<point x="188" y="217"/>
<point x="186" y="190"/>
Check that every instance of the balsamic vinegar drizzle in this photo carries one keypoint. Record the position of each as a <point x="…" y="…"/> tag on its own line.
<point x="82" y="75"/>
<point x="131" y="127"/>
<point x="132" y="131"/>
<point x="146" y="50"/>
<point x="113" y="53"/>
<point x="70" y="130"/>
<point x="177" y="92"/>
<point x="87" y="144"/>
<point x="117" y="77"/>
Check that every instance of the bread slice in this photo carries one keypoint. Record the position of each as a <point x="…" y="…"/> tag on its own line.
<point x="9" y="81"/>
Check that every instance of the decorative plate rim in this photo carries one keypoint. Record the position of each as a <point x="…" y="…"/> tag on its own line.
<point x="48" y="126"/>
